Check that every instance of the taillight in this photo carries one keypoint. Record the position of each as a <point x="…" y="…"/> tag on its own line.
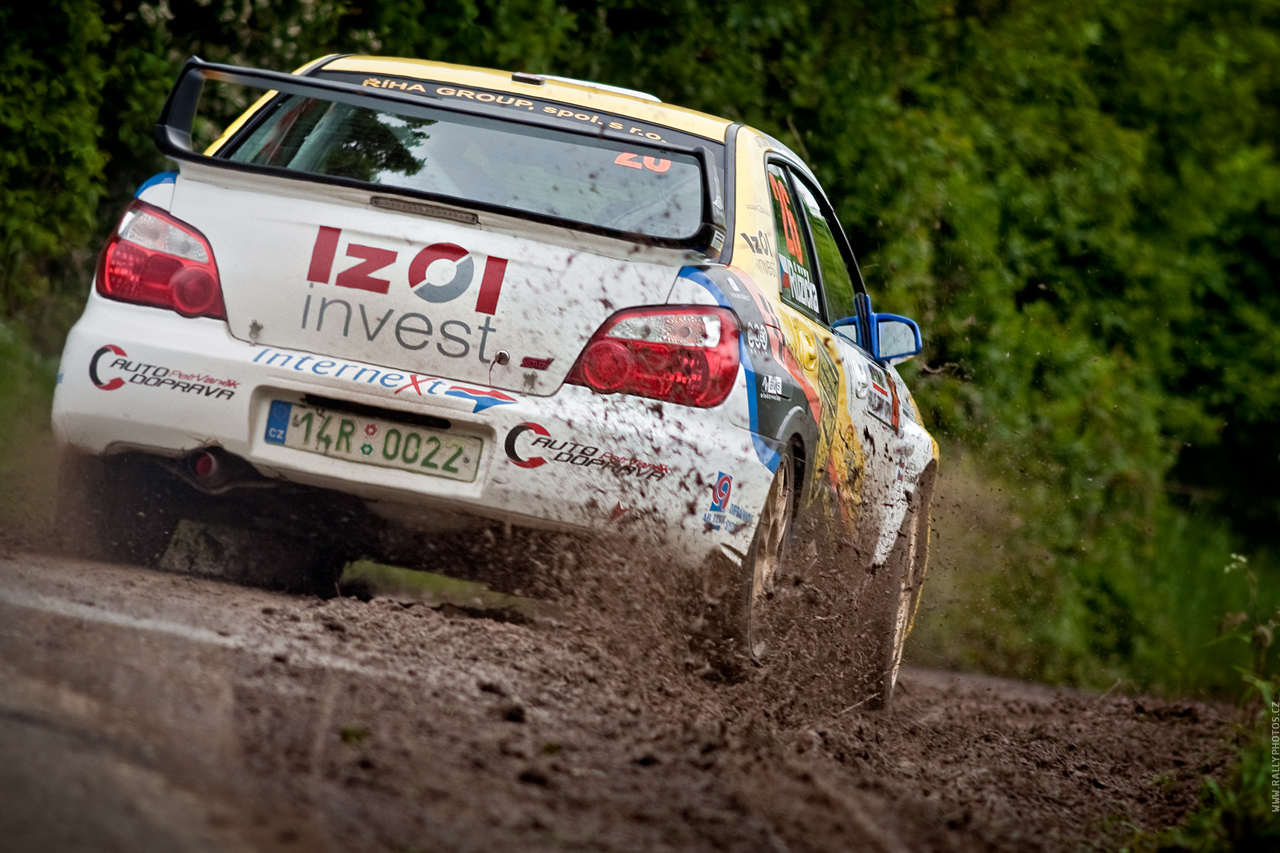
<point x="155" y="259"/>
<point x="680" y="354"/>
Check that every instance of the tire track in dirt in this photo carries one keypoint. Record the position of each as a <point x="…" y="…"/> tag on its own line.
<point x="240" y="719"/>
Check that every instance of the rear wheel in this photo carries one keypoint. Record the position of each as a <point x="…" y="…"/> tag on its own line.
<point x="765" y="561"/>
<point x="119" y="508"/>
<point x="744" y="625"/>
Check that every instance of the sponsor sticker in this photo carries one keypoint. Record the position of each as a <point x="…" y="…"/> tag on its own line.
<point x="635" y="161"/>
<point x="441" y="272"/>
<point x="398" y="383"/>
<point x="110" y="369"/>
<point x="555" y="110"/>
<point x="722" y="513"/>
<point x="531" y="445"/>
<point x="771" y="387"/>
<point x="436" y="274"/>
<point x="759" y="244"/>
<point x="757" y="337"/>
<point x="882" y="397"/>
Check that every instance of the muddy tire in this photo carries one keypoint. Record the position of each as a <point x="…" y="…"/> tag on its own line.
<point x="745" y="625"/>
<point x="116" y="508"/>
<point x="899" y="595"/>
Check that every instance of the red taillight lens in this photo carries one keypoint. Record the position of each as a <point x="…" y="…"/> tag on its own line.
<point x="155" y="259"/>
<point x="679" y="354"/>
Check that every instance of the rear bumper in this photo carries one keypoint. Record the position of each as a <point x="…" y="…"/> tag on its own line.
<point x="138" y="378"/>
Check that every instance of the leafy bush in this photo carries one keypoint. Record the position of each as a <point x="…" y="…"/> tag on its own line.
<point x="26" y="447"/>
<point x="1136" y="604"/>
<point x="51" y="166"/>
<point x="1243" y="813"/>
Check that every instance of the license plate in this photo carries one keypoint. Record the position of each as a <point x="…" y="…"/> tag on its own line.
<point x="374" y="441"/>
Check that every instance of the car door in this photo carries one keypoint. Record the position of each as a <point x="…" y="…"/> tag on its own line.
<point x="860" y="428"/>
<point x="817" y="288"/>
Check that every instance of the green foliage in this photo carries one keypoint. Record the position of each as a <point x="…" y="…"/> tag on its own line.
<point x="26" y="448"/>
<point x="1234" y="816"/>
<point x="1256" y="625"/>
<point x="1244" y="813"/>
<point x="353" y="735"/>
<point x="1042" y="596"/>
<point x="516" y="34"/>
<point x="26" y="386"/>
<point x="51" y="78"/>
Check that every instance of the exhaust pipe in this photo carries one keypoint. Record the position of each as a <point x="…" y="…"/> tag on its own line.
<point x="214" y="471"/>
<point x="204" y="466"/>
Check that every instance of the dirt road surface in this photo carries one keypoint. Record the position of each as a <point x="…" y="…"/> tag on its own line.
<point x="144" y="710"/>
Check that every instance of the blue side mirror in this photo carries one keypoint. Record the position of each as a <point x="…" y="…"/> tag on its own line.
<point x="894" y="339"/>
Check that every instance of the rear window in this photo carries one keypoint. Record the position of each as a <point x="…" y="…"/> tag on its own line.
<point x="597" y="182"/>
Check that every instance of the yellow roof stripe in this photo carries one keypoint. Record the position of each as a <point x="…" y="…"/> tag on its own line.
<point x="677" y="118"/>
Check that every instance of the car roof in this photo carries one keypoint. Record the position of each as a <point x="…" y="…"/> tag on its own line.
<point x="584" y="94"/>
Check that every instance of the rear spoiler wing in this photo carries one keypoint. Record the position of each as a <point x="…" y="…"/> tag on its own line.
<point x="173" y="138"/>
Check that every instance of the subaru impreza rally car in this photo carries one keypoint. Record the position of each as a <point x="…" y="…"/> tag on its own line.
<point x="440" y="296"/>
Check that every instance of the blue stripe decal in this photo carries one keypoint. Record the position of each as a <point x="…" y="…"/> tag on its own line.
<point x="156" y="180"/>
<point x="766" y="454"/>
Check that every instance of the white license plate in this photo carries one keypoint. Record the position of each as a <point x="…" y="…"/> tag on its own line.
<point x="374" y="441"/>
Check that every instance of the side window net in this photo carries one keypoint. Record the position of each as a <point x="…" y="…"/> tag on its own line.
<point x="837" y="283"/>
<point x="799" y="284"/>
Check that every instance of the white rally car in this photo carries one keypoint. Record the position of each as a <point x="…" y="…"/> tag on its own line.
<point x="407" y="292"/>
